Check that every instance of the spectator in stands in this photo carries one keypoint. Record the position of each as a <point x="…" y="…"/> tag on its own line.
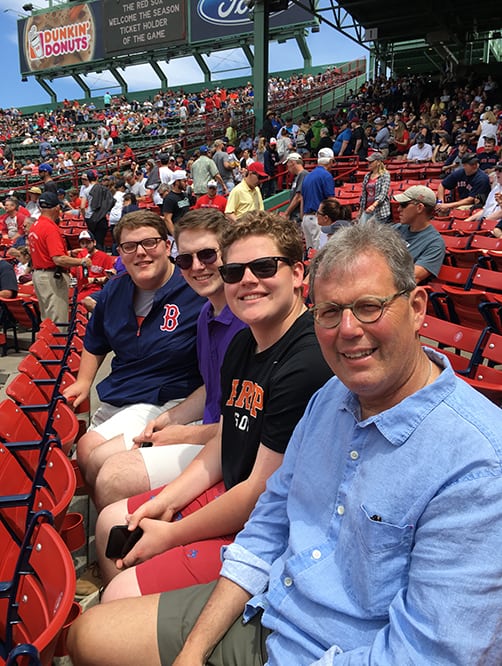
<point x="343" y="142"/>
<point x="135" y="183"/>
<point x="94" y="277"/>
<point x="147" y="317"/>
<point x="454" y="159"/>
<point x="299" y="584"/>
<point x="211" y="199"/>
<point x="45" y="172"/>
<point x="317" y="185"/>
<point x="442" y="150"/>
<point x="488" y="155"/>
<point x="96" y="203"/>
<point x="270" y="164"/>
<point x="325" y="140"/>
<point x="400" y="139"/>
<point x="11" y="222"/>
<point x="294" y="165"/>
<point x="332" y="216"/>
<point x="203" y="170"/>
<point x="32" y="204"/>
<point x="225" y="167"/>
<point x="246" y="196"/>
<point x="492" y="210"/>
<point x="420" y="151"/>
<point x="8" y="280"/>
<point x="469" y="183"/>
<point x="488" y="126"/>
<point x="381" y="142"/>
<point x="177" y="202"/>
<point x="50" y="261"/>
<point x="269" y="373"/>
<point x="425" y="244"/>
<point x="375" y="196"/>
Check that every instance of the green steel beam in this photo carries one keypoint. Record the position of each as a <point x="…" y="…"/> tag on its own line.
<point x="260" y="69"/>
<point x="120" y="80"/>
<point x="157" y="69"/>
<point x="304" y="50"/>
<point x="203" y="65"/>
<point x="42" y="82"/>
<point x="83" y="85"/>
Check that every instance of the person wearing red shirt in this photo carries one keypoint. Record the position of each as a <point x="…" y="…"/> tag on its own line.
<point x="91" y="279"/>
<point x="50" y="261"/>
<point x="11" y="222"/>
<point x="212" y="199"/>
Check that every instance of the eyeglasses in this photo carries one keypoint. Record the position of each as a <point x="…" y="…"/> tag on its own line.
<point x="206" y="256"/>
<point x="405" y="204"/>
<point x="266" y="267"/>
<point x="147" y="244"/>
<point x="367" y="309"/>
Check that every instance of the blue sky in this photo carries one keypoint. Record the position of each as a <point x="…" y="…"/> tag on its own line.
<point x="326" y="47"/>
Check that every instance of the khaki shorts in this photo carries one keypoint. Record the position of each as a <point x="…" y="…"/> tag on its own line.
<point x="242" y="645"/>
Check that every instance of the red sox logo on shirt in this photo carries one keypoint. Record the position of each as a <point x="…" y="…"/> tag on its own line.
<point x="171" y="317"/>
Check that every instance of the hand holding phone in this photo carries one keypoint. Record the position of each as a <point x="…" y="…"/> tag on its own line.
<point x="121" y="540"/>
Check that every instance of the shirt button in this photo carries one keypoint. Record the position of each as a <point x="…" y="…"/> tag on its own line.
<point x="288" y="581"/>
<point x="354" y="455"/>
<point x="340" y="510"/>
<point x="316" y="554"/>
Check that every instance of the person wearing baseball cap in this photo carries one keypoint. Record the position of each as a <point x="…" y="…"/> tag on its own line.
<point x="203" y="170"/>
<point x="246" y="195"/>
<point x="469" y="184"/>
<point x="178" y="201"/>
<point x="294" y="165"/>
<point x="51" y="261"/>
<point x="45" y="172"/>
<point x="92" y="279"/>
<point x="316" y="186"/>
<point x="32" y="201"/>
<point x="211" y="199"/>
<point x="425" y="244"/>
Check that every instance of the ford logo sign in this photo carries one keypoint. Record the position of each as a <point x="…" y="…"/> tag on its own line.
<point x="224" y="12"/>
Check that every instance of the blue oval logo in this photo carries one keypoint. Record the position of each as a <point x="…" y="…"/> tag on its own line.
<point x="224" y="12"/>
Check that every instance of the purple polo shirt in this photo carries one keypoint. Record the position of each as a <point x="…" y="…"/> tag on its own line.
<point x="214" y="334"/>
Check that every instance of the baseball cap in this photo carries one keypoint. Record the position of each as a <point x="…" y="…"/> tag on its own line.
<point x="498" y="166"/>
<point x="230" y="149"/>
<point x="420" y="138"/>
<point x="295" y="157"/>
<point x="35" y="190"/>
<point x="61" y="190"/>
<point x="418" y="193"/>
<point x="469" y="158"/>
<point x="379" y="121"/>
<point x="374" y="157"/>
<point x="45" y="167"/>
<point x="325" y="153"/>
<point x="258" y="168"/>
<point x="212" y="183"/>
<point x="179" y="175"/>
<point x="91" y="174"/>
<point x="85" y="235"/>
<point x="273" y="141"/>
<point x="48" y="200"/>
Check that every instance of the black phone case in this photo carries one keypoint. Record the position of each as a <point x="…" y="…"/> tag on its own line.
<point x="121" y="541"/>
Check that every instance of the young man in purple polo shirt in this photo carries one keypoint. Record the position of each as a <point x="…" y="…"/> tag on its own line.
<point x="178" y="434"/>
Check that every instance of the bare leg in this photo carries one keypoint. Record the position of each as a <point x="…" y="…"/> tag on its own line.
<point x="85" y="445"/>
<point x="114" y="514"/>
<point x="121" y="633"/>
<point x="123" y="586"/>
<point x="97" y="456"/>
<point x="121" y="476"/>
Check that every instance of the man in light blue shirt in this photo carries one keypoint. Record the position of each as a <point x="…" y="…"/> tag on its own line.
<point x="378" y="539"/>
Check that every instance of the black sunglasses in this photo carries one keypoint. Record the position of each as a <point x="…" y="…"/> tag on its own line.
<point x="265" y="267"/>
<point x="405" y="204"/>
<point x="206" y="256"/>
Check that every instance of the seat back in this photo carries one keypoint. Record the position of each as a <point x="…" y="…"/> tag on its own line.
<point x="462" y="345"/>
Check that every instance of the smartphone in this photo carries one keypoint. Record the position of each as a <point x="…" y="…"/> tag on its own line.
<point x="144" y="445"/>
<point x="121" y="541"/>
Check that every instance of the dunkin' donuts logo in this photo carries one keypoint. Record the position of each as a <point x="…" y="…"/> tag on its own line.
<point x="58" y="41"/>
<point x="224" y="12"/>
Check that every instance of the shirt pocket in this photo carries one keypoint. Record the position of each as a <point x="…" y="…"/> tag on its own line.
<point x="378" y="554"/>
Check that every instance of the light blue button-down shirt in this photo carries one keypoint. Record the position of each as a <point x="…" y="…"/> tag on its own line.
<point x="380" y="541"/>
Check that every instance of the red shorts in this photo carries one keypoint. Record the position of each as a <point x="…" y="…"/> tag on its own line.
<point x="182" y="566"/>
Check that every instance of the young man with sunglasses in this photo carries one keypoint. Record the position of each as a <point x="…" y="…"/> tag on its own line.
<point x="378" y="540"/>
<point x="147" y="316"/>
<point x="177" y="435"/>
<point x="268" y="375"/>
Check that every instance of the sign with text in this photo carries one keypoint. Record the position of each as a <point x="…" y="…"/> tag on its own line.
<point x="68" y="35"/>
<point x="222" y="18"/>
<point x="141" y="25"/>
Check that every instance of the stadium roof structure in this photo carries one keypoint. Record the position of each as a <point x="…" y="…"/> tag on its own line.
<point x="420" y="37"/>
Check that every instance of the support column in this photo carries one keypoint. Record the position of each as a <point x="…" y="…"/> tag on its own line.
<point x="52" y="94"/>
<point x="84" y="86"/>
<point x="260" y="69"/>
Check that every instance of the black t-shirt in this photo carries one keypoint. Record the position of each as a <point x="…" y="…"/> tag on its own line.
<point x="177" y="204"/>
<point x="265" y="394"/>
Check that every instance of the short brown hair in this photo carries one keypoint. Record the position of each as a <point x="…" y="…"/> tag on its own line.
<point x="140" y="218"/>
<point x="283" y="232"/>
<point x="206" y="219"/>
